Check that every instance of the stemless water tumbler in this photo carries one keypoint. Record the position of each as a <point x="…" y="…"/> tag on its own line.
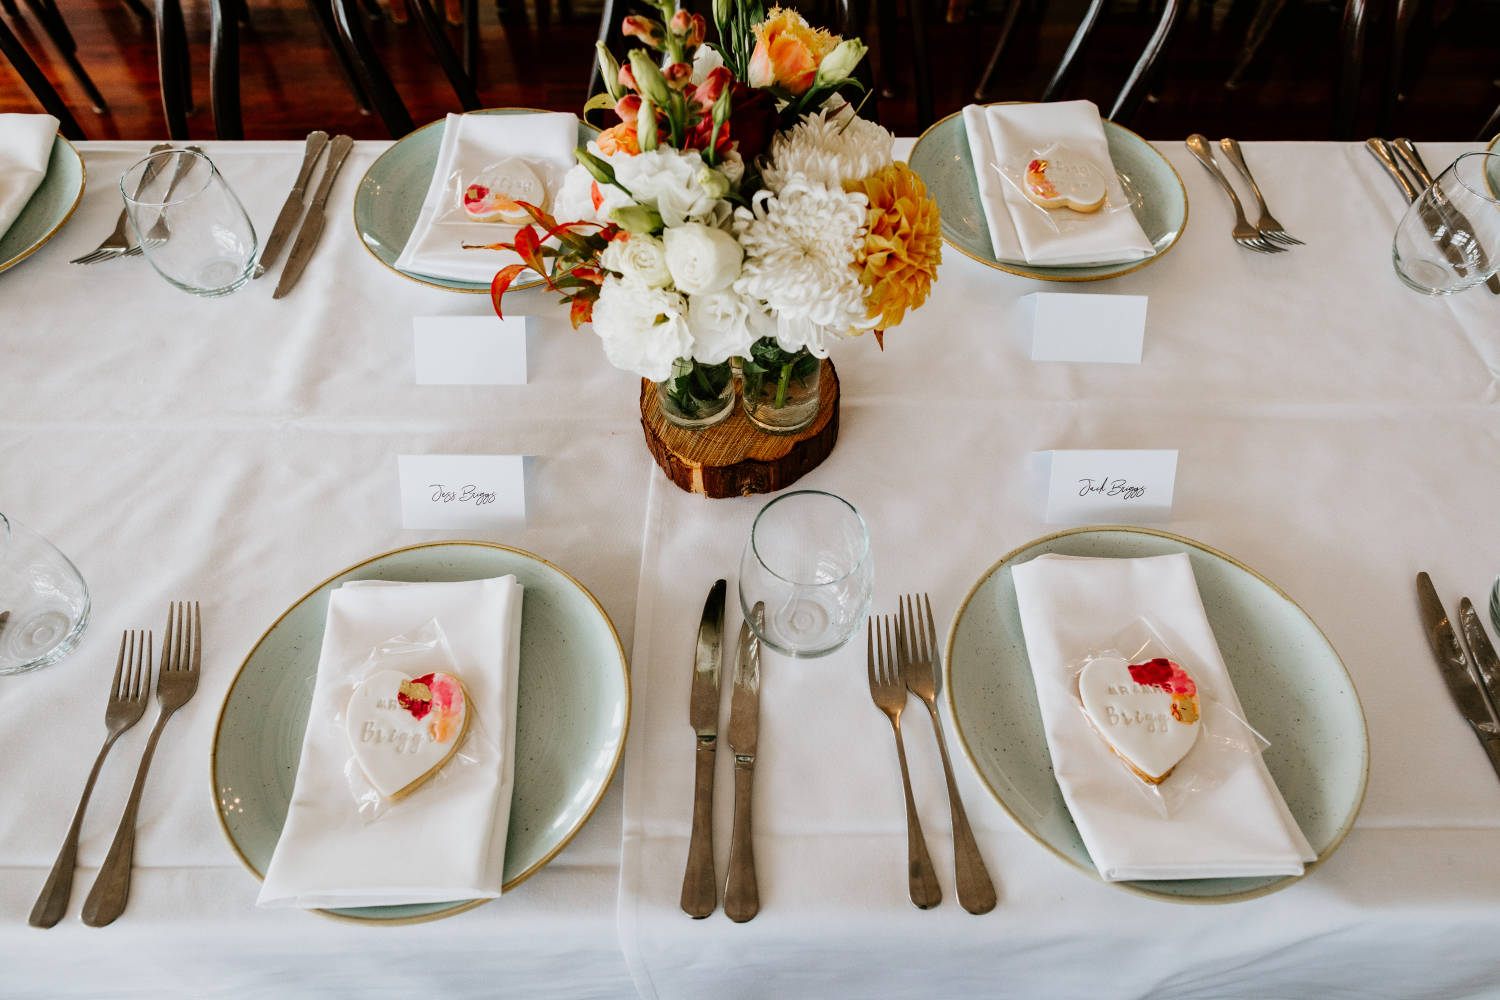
<point x="1449" y="239"/>
<point x="808" y="560"/>
<point x="44" y="604"/>
<point x="192" y="228"/>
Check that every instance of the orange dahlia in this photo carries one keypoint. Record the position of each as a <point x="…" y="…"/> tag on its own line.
<point x="899" y="259"/>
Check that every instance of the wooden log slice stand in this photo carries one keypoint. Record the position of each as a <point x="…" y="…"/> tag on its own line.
<point x="736" y="458"/>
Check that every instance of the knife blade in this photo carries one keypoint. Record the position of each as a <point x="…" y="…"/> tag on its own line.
<point x="1406" y="150"/>
<point x="1380" y="149"/>
<point x="312" y="225"/>
<point x="291" y="210"/>
<point x="741" y="895"/>
<point x="1481" y="652"/>
<point x="1454" y="667"/>
<point x="698" y="887"/>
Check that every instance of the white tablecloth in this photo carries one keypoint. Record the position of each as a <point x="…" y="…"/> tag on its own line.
<point x="1338" y="433"/>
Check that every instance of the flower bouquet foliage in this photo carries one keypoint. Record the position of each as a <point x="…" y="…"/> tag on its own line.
<point x="739" y="209"/>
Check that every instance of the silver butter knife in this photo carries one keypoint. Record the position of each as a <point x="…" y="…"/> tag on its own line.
<point x="1406" y="150"/>
<point x="1481" y="651"/>
<point x="1454" y="667"/>
<point x="699" y="891"/>
<point x="312" y="225"/>
<point x="741" y="895"/>
<point x="292" y="209"/>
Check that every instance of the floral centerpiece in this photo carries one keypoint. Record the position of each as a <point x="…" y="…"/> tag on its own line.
<point x="740" y="210"/>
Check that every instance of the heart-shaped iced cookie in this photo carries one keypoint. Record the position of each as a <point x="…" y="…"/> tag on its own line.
<point x="494" y="195"/>
<point x="403" y="729"/>
<point x="1147" y="712"/>
<point x="1059" y="181"/>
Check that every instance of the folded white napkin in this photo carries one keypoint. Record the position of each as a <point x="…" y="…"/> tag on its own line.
<point x="446" y="839"/>
<point x="470" y="144"/>
<point x="25" y="147"/>
<point x="1242" y="827"/>
<point x="1002" y="140"/>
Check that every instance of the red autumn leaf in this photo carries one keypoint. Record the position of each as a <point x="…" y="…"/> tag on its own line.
<point x="880" y="339"/>
<point x="582" y="311"/>
<point x="502" y="281"/>
<point x="527" y="246"/>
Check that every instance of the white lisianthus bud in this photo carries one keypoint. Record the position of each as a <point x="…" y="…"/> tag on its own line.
<point x="641" y="258"/>
<point x="713" y="183"/>
<point x="702" y="259"/>
<point x="839" y="64"/>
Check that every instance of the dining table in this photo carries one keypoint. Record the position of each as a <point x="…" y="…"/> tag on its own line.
<point x="1337" y="433"/>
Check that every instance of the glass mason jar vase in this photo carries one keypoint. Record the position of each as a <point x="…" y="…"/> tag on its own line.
<point x="696" y="395"/>
<point x="780" y="388"/>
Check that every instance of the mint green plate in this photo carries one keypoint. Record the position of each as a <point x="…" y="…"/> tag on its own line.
<point x="50" y="206"/>
<point x="572" y="711"/>
<point x="1157" y="196"/>
<point x="390" y="195"/>
<point x="1292" y="684"/>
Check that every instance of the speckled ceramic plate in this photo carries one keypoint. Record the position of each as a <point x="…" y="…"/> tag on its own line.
<point x="572" y="709"/>
<point x="1292" y="684"/>
<point x="1158" y="198"/>
<point x="50" y="207"/>
<point x="389" y="198"/>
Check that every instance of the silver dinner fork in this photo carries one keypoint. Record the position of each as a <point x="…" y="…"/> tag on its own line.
<point x="181" y="656"/>
<point x="888" y="690"/>
<point x="1267" y="224"/>
<point x="976" y="890"/>
<point x="1245" y="234"/>
<point x="117" y="243"/>
<point x="159" y="233"/>
<point x="127" y="703"/>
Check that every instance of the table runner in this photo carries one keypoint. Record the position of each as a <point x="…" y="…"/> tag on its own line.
<point x="1336" y="434"/>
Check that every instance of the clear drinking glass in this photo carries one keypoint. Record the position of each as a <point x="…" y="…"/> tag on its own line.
<point x="1449" y="239"/>
<point x="808" y="560"/>
<point x="43" y="600"/>
<point x="192" y="228"/>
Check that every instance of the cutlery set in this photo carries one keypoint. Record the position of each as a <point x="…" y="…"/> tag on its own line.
<point x="1472" y="676"/>
<point x="1267" y="235"/>
<point x="902" y="658"/>
<point x="117" y="243"/>
<point x="312" y="223"/>
<point x="176" y="682"/>
<point x="699" y="885"/>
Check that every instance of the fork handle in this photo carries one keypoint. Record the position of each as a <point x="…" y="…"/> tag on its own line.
<point x="1231" y="148"/>
<point x="976" y="890"/>
<point x="52" y="903"/>
<point x="699" y="893"/>
<point x="921" y="877"/>
<point x="1198" y="146"/>
<point x="741" y="894"/>
<point x="112" y="885"/>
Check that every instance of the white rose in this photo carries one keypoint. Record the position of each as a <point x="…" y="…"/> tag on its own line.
<point x="666" y="179"/>
<point x="644" y="329"/>
<point x="640" y="258"/>
<point x="702" y="259"/>
<point x="725" y="324"/>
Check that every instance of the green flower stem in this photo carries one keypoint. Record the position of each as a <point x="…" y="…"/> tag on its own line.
<point x="782" y="384"/>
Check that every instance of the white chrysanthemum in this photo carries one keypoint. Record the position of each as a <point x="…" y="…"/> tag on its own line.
<point x="827" y="147"/>
<point x="666" y="179"/>
<point x="800" y="246"/>
<point x="644" y="329"/>
<point x="575" y="198"/>
<point x="725" y="324"/>
<point x="639" y="258"/>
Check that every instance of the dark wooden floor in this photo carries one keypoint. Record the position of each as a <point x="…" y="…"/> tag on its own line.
<point x="290" y="82"/>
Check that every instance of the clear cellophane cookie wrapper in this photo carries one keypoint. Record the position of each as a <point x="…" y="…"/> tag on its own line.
<point x="483" y="195"/>
<point x="410" y="724"/>
<point x="1057" y="184"/>
<point x="1156" y="715"/>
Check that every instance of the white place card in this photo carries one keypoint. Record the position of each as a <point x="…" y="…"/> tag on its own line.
<point x="1069" y="326"/>
<point x="470" y="350"/>
<point x="1096" y="486"/>
<point x="462" y="491"/>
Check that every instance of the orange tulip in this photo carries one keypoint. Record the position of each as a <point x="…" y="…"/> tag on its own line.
<point x="788" y="51"/>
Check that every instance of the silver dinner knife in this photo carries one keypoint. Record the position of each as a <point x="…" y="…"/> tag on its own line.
<point x="699" y="891"/>
<point x="1481" y="651"/>
<point x="292" y="209"/>
<point x="1454" y="667"/>
<point x="312" y="225"/>
<point x="741" y="895"/>
<point x="1407" y="151"/>
<point x="1381" y="150"/>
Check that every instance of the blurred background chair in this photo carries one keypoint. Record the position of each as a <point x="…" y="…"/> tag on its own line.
<point x="372" y="74"/>
<point x="36" y="82"/>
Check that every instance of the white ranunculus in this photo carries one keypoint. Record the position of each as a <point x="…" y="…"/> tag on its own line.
<point x="643" y="329"/>
<point x="725" y="324"/>
<point x="574" y="201"/>
<point x="666" y="179"/>
<point x="640" y="258"/>
<point x="702" y="259"/>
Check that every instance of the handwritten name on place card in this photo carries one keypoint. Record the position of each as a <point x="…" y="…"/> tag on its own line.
<point x="1073" y="326"/>
<point x="1102" y="485"/>
<point x="461" y="491"/>
<point x="470" y="350"/>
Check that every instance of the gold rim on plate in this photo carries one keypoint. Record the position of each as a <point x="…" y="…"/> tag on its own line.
<point x="521" y="287"/>
<point x="469" y="904"/>
<point x="1011" y="269"/>
<point x="83" y="178"/>
<point x="1130" y="886"/>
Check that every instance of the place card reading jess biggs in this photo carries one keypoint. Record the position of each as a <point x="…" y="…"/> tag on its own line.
<point x="1100" y="485"/>
<point x="461" y="491"/>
